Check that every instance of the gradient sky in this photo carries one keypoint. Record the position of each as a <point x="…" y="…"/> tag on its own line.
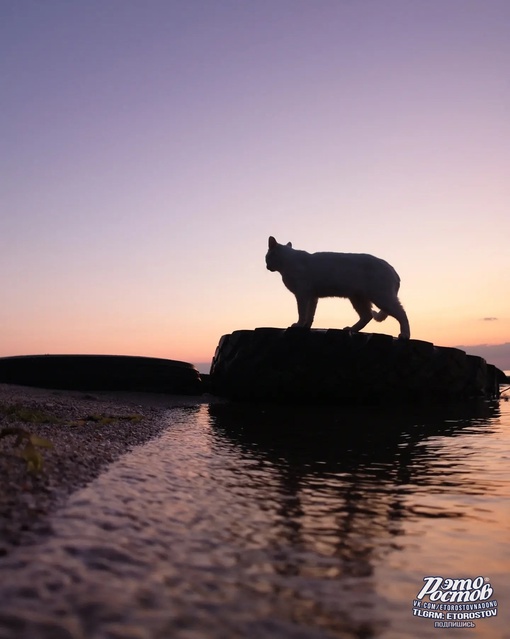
<point x="150" y="148"/>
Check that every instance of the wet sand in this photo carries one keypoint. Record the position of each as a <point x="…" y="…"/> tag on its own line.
<point x="88" y="431"/>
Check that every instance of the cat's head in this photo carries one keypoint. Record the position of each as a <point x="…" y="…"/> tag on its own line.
<point x="275" y="254"/>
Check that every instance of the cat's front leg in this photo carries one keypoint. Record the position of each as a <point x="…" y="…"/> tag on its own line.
<point x="306" y="311"/>
<point x="310" y="310"/>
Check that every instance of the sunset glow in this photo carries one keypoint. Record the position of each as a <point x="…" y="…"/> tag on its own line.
<point x="150" y="149"/>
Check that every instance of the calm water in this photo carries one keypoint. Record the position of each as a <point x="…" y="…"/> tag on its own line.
<point x="274" y="522"/>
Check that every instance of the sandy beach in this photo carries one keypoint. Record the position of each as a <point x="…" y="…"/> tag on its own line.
<point x="88" y="431"/>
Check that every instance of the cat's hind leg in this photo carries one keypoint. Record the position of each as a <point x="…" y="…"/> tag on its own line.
<point x="363" y="308"/>
<point x="401" y="316"/>
<point x="392" y="306"/>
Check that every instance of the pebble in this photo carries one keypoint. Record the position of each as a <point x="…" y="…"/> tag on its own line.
<point x="82" y="448"/>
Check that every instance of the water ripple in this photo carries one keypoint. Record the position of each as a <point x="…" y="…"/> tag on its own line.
<point x="261" y="522"/>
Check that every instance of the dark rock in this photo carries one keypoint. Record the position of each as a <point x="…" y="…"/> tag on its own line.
<point x="102" y="372"/>
<point x="313" y="365"/>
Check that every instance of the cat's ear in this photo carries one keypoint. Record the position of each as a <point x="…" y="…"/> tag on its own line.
<point x="289" y="244"/>
<point x="272" y="243"/>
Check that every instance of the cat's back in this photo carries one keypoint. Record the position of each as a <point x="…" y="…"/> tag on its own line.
<point x="328" y="259"/>
<point x="353" y="267"/>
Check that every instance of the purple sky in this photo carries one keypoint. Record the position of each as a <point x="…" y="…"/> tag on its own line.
<point x="150" y="148"/>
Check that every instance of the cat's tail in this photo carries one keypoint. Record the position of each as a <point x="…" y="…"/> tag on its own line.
<point x="379" y="316"/>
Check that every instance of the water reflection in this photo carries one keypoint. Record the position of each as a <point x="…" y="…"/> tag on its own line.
<point x="345" y="476"/>
<point x="252" y="521"/>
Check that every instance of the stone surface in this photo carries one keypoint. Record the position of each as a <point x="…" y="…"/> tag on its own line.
<point x="102" y="372"/>
<point x="313" y="365"/>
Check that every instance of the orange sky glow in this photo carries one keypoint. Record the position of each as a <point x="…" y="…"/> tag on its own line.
<point x="146" y="165"/>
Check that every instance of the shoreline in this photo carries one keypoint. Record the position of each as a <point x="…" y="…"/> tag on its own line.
<point x="88" y="431"/>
